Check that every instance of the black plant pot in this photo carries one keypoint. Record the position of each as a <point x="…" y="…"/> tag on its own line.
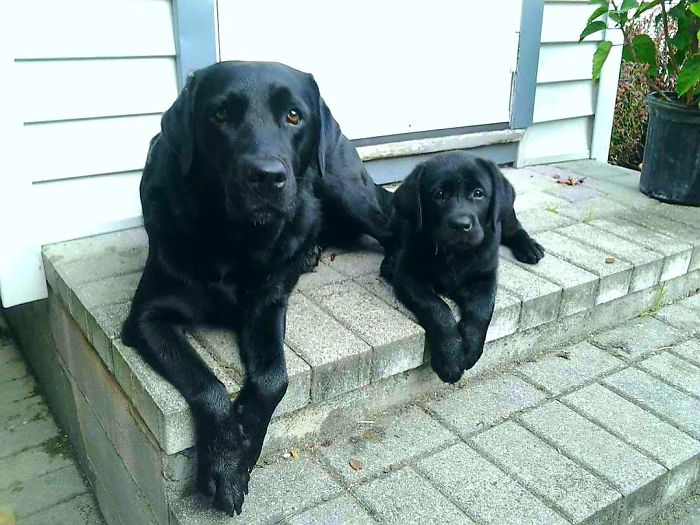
<point x="671" y="166"/>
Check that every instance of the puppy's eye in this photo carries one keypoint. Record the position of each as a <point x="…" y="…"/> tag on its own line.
<point x="220" y="116"/>
<point x="478" y="193"/>
<point x="294" y="117"/>
<point x="439" y="195"/>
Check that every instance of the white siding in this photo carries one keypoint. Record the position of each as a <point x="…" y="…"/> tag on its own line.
<point x="565" y="99"/>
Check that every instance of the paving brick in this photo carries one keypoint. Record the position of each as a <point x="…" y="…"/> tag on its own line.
<point x="535" y="220"/>
<point x="104" y="244"/>
<point x="321" y="275"/>
<point x="405" y="498"/>
<point x="570" y="367"/>
<point x="578" y="494"/>
<point x="340" y="361"/>
<point x="638" y="337"/>
<point x="528" y="180"/>
<point x="84" y="298"/>
<point x="689" y="350"/>
<point x="340" y="511"/>
<point x="92" y="268"/>
<point x="679" y="372"/>
<point x="104" y="326"/>
<point x="397" y="342"/>
<point x="579" y="287"/>
<point x="626" y="468"/>
<point x="13" y="370"/>
<point x="276" y="491"/>
<point x="614" y="277"/>
<point x="481" y="404"/>
<point x="665" y="443"/>
<point x="647" y="263"/>
<point x="598" y="170"/>
<point x="540" y="201"/>
<point x="41" y="493"/>
<point x="484" y="491"/>
<point x="353" y="263"/>
<point x="8" y="351"/>
<point x="506" y="315"/>
<point x="80" y="510"/>
<point x="588" y="210"/>
<point x="380" y="287"/>
<point x="28" y="409"/>
<point x="30" y="464"/>
<point x="689" y="215"/>
<point x="623" y="193"/>
<point x="540" y="297"/>
<point x="19" y="389"/>
<point x="658" y="397"/>
<point x="392" y="440"/>
<point x="22" y="436"/>
<point x="677" y="253"/>
<point x="681" y="317"/>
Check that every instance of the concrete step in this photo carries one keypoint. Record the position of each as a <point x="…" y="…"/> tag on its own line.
<point x="352" y="350"/>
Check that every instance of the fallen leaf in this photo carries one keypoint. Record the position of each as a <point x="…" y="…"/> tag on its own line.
<point x="294" y="453"/>
<point x="333" y="256"/>
<point x="326" y="443"/>
<point x="571" y="181"/>
<point x="355" y="464"/>
<point x="609" y="259"/>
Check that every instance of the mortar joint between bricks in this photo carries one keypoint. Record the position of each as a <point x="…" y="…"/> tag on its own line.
<point x="663" y="379"/>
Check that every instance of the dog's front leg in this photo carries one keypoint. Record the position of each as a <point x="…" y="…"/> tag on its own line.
<point x="476" y="305"/>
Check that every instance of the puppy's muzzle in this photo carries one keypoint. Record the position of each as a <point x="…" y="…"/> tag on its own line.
<point x="266" y="175"/>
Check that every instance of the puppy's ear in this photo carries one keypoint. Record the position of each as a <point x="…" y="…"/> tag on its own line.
<point x="503" y="193"/>
<point x="407" y="198"/>
<point x="177" y="125"/>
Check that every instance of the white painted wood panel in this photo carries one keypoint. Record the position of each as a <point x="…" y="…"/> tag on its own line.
<point x="564" y="21"/>
<point x="566" y="62"/>
<point x="94" y="28"/>
<point x="556" y="141"/>
<point x="87" y="206"/>
<point x="70" y="89"/>
<point x="386" y="68"/>
<point x="89" y="147"/>
<point x="561" y="100"/>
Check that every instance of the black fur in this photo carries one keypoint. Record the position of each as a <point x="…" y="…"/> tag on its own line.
<point x="451" y="214"/>
<point x="230" y="197"/>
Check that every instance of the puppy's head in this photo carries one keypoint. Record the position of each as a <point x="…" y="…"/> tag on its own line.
<point x="248" y="131"/>
<point x="454" y="198"/>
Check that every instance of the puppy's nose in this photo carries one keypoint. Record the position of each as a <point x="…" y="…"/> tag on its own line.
<point x="271" y="172"/>
<point x="460" y="224"/>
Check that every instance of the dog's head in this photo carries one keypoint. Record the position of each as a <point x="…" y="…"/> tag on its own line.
<point x="453" y="198"/>
<point x="250" y="131"/>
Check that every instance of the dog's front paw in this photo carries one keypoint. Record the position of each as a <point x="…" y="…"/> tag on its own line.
<point x="311" y="259"/>
<point x="447" y="358"/>
<point x="525" y="248"/>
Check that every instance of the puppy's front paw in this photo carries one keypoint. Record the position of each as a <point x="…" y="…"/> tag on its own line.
<point x="525" y="248"/>
<point x="311" y="259"/>
<point x="447" y="358"/>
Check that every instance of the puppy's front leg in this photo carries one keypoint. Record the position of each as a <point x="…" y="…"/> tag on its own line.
<point x="476" y="305"/>
<point x="444" y="341"/>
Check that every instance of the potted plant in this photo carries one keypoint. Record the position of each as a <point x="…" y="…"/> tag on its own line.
<point x="671" y="165"/>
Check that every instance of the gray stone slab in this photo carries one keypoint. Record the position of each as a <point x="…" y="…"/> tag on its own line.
<point x="672" y="369"/>
<point x="663" y="442"/>
<point x="32" y="463"/>
<point x="18" y="389"/>
<point x="626" y="468"/>
<point x="340" y="511"/>
<point x="569" y="368"/>
<point x="276" y="492"/>
<point x="13" y="370"/>
<point x="84" y="298"/>
<point x="25" y="435"/>
<point x="390" y="441"/>
<point x="81" y="510"/>
<point x="545" y="471"/>
<point x="483" y="490"/>
<point x="353" y="263"/>
<point x="591" y="209"/>
<point x="579" y="287"/>
<point x="598" y="170"/>
<point x="638" y="337"/>
<point x="405" y="498"/>
<point x="321" y="275"/>
<point x="614" y="277"/>
<point x="647" y="264"/>
<point x="539" y="201"/>
<point x="677" y="253"/>
<point x="339" y="360"/>
<point x="688" y="215"/>
<point x="540" y="297"/>
<point x="506" y="315"/>
<point x="397" y="342"/>
<point x="536" y="220"/>
<point x="689" y="350"/>
<point x="658" y="397"/>
<point x="681" y="317"/>
<point x="380" y="287"/>
<point x="103" y="244"/>
<point x="104" y="326"/>
<point x="479" y="405"/>
<point x="28" y="409"/>
<point x="46" y="491"/>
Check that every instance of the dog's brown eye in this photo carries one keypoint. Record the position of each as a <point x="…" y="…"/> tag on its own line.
<point x="293" y="117"/>
<point x="478" y="193"/>
<point x="220" y="116"/>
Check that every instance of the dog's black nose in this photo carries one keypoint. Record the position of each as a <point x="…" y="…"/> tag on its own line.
<point x="463" y="223"/>
<point x="271" y="172"/>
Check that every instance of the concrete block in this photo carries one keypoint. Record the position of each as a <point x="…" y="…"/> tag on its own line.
<point x="321" y="275"/>
<point x="689" y="350"/>
<point x="539" y="201"/>
<point x="647" y="264"/>
<point x="276" y="492"/>
<point x="96" y="267"/>
<point x="13" y="370"/>
<point x="85" y="297"/>
<point x="104" y="326"/>
<point x="674" y="370"/>
<point x="397" y="342"/>
<point x="339" y="360"/>
<point x="390" y="441"/>
<point x="591" y="209"/>
<point x="663" y="442"/>
<point x="613" y="459"/>
<point x="343" y="510"/>
<point x="81" y="510"/>
<point x="506" y="315"/>
<point x="406" y="498"/>
<point x="29" y="409"/>
<point x="19" y="389"/>
<point x="614" y="277"/>
<point x="380" y="287"/>
<point x="570" y="367"/>
<point x="638" y="337"/>
<point x="536" y="220"/>
<point x="529" y="180"/>
<point x="31" y="464"/>
<point x="688" y="215"/>
<point x="681" y="317"/>
<point x="676" y="253"/>
<point x="597" y="170"/>
<point x="479" y="405"/>
<point x="25" y="435"/>
<point x="353" y="263"/>
<point x="658" y="397"/>
<point x="96" y="245"/>
<point x="540" y="297"/>
<point x="543" y="470"/>
<point x="484" y="491"/>
<point x="579" y="287"/>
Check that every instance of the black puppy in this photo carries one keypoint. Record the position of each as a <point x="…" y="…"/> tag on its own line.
<point x="229" y="202"/>
<point x="451" y="214"/>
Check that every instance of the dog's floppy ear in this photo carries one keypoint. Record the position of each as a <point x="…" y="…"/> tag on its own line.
<point x="177" y="125"/>
<point x="407" y="198"/>
<point x="503" y="193"/>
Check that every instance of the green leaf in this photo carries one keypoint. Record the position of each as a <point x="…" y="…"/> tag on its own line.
<point x="598" y="12"/>
<point x="689" y="75"/>
<point x="695" y="8"/>
<point x="591" y="28"/>
<point x="645" y="49"/>
<point x="628" y="4"/>
<point x="599" y="57"/>
<point x="645" y="6"/>
<point x="627" y="53"/>
<point x="617" y="17"/>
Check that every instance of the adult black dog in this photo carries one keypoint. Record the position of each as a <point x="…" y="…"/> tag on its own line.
<point x="230" y="202"/>
<point x="451" y="214"/>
